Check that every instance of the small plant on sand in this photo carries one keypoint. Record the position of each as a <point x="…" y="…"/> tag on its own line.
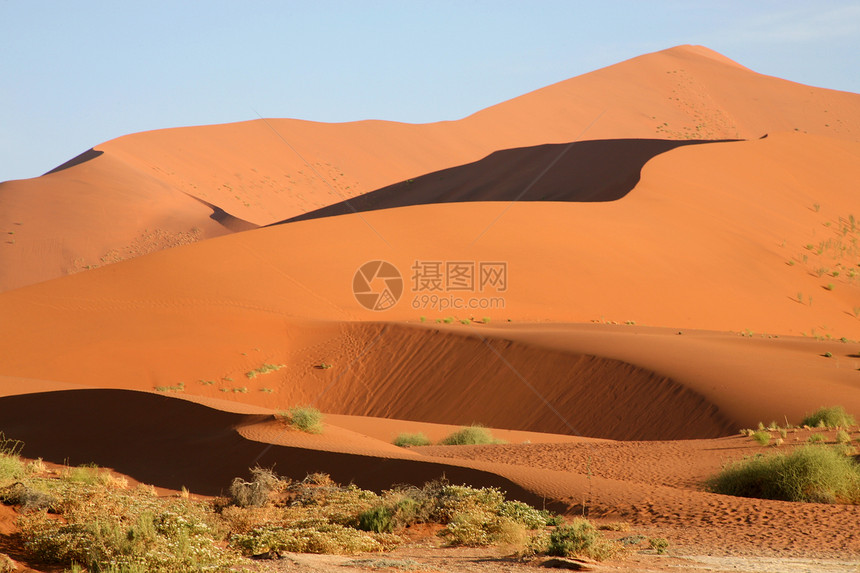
<point x="386" y="564"/>
<point x="11" y="469"/>
<point x="304" y="418"/>
<point x="614" y="526"/>
<point x="470" y="435"/>
<point x="178" y="388"/>
<point x="409" y="440"/>
<point x="807" y="473"/>
<point x="816" y="439"/>
<point x="264" y="369"/>
<point x="9" y="446"/>
<point x="762" y="437"/>
<point x="659" y="544"/>
<point x="580" y="539"/>
<point x="843" y="437"/>
<point x="829" y="417"/>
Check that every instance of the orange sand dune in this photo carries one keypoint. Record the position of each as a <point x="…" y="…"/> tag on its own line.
<point x="132" y="199"/>
<point x="280" y="168"/>
<point x="95" y="213"/>
<point x="696" y="245"/>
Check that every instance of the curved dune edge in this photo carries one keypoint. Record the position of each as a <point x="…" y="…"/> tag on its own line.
<point x="172" y="443"/>
<point x="418" y="373"/>
<point x="580" y="172"/>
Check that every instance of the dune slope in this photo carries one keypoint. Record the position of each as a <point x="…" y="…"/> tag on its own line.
<point x="130" y="195"/>
<point x="693" y="246"/>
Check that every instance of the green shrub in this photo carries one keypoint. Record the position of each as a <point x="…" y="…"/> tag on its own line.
<point x="470" y="435"/>
<point x="832" y="417"/>
<point x="816" y="439"/>
<point x="762" y="437"/>
<point x="304" y="418"/>
<point x="580" y="539"/>
<point x="843" y="437"/>
<point x="409" y="440"/>
<point x="809" y="473"/>
<point x="378" y="519"/>
<point x="11" y="468"/>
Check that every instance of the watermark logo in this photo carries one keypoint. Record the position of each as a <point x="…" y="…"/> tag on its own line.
<point x="377" y="285"/>
<point x="435" y="285"/>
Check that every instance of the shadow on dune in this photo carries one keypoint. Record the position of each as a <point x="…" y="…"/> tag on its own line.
<point x="82" y="158"/>
<point x="170" y="442"/>
<point x="225" y="219"/>
<point x="584" y="171"/>
<point x="443" y="377"/>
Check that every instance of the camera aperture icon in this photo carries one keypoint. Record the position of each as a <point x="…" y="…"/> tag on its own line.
<point x="377" y="285"/>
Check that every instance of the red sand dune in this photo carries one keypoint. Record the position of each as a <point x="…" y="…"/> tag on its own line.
<point x="134" y="197"/>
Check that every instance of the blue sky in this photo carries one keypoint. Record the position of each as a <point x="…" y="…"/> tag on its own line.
<point x="74" y="74"/>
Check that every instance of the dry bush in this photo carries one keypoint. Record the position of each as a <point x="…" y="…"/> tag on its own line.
<point x="258" y="492"/>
